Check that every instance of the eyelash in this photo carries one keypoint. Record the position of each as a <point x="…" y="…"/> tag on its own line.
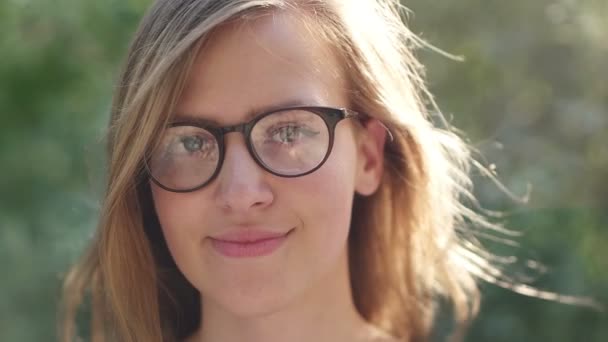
<point x="301" y="129"/>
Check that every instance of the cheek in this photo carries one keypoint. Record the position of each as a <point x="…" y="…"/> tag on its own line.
<point x="180" y="217"/>
<point x="171" y="209"/>
<point x="324" y="200"/>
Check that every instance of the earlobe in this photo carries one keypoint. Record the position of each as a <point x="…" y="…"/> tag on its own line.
<point x="370" y="157"/>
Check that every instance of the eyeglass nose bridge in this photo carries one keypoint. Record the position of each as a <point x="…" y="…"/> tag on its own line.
<point x="243" y="128"/>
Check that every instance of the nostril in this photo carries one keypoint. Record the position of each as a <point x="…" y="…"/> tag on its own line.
<point x="245" y="198"/>
<point x="242" y="182"/>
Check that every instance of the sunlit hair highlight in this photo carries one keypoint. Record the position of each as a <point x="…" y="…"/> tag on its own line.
<point x="409" y="244"/>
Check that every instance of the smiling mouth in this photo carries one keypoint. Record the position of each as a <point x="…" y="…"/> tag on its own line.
<point x="248" y="246"/>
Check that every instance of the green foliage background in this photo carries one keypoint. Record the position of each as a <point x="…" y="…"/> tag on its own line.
<point x="531" y="95"/>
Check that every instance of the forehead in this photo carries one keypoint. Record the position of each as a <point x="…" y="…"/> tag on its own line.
<point x="250" y="66"/>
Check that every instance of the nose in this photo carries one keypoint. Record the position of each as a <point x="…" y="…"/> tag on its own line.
<point x="242" y="186"/>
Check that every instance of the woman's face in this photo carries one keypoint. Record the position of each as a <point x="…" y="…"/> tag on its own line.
<point x="243" y="69"/>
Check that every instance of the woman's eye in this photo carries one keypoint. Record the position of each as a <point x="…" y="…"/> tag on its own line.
<point x="191" y="143"/>
<point x="290" y="134"/>
<point x="194" y="144"/>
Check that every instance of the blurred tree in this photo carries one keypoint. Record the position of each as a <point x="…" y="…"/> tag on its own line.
<point x="532" y="96"/>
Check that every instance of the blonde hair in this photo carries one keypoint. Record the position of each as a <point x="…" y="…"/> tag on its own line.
<point x="408" y="244"/>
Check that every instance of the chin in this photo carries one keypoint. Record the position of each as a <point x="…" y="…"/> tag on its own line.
<point x="249" y="304"/>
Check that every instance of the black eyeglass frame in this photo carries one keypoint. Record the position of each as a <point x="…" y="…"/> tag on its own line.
<point x="330" y="115"/>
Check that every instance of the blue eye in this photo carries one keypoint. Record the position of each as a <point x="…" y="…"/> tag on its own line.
<point x="195" y="145"/>
<point x="192" y="143"/>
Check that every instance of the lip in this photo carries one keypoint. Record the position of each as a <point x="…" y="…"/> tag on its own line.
<point x="248" y="243"/>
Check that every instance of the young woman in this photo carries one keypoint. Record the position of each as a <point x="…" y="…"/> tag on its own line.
<point x="274" y="176"/>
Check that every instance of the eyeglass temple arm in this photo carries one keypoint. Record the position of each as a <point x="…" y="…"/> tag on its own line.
<point x="352" y="114"/>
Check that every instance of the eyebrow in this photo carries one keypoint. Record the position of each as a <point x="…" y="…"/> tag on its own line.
<point x="251" y="113"/>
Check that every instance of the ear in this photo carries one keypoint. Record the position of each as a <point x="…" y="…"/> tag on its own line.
<point x="370" y="160"/>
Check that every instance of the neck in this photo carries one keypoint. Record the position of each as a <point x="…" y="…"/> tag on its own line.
<point x="325" y="312"/>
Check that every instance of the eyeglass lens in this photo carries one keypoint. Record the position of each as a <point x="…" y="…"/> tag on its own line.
<point x="287" y="143"/>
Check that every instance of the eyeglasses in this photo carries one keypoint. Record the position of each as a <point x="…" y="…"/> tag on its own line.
<point x="287" y="142"/>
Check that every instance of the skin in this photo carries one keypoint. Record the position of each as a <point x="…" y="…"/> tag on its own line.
<point x="301" y="292"/>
